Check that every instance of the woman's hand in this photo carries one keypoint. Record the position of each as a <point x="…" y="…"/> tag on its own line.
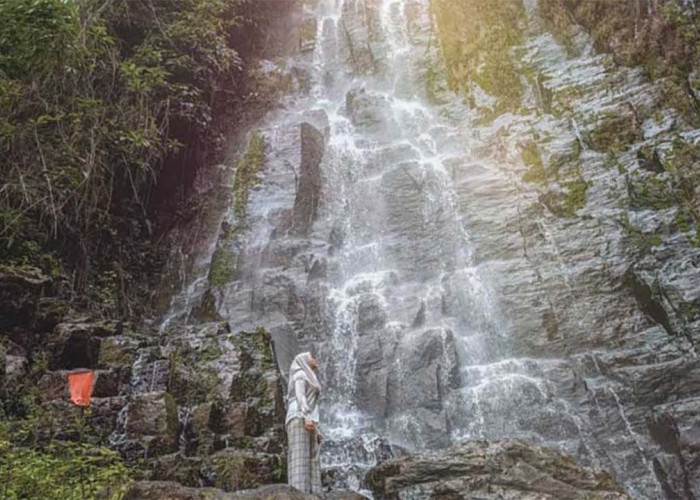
<point x="310" y="426"/>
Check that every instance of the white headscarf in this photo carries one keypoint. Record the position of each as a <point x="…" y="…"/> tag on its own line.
<point x="301" y="369"/>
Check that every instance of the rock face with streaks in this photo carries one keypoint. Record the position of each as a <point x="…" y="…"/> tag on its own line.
<point x="478" y="222"/>
<point x="508" y="469"/>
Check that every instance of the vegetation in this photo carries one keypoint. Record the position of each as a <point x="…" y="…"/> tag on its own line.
<point x="101" y="106"/>
<point x="641" y="241"/>
<point x="477" y="37"/>
<point x="61" y="470"/>
<point x="664" y="40"/>
<point x="680" y="162"/>
<point x="224" y="260"/>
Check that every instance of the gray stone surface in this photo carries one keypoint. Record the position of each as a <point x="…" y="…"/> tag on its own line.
<point x="480" y="470"/>
<point x="309" y="191"/>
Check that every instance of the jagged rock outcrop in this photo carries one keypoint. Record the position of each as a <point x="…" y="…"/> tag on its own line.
<point x="576" y="213"/>
<point x="508" y="469"/>
<point x="201" y="404"/>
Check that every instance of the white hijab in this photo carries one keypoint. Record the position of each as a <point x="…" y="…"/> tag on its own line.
<point x="300" y="369"/>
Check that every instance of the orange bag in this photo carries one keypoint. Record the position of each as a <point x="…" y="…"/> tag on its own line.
<point x="81" y="386"/>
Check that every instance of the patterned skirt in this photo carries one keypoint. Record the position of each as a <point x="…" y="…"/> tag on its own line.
<point x="303" y="468"/>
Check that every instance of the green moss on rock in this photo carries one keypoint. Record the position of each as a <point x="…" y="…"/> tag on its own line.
<point x="531" y="157"/>
<point x="171" y="417"/>
<point x="477" y="38"/>
<point x="247" y="169"/>
<point x="113" y="352"/>
<point x="575" y="196"/>
<point x="613" y="132"/>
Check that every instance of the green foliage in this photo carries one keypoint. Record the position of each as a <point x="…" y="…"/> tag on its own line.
<point x="476" y="38"/>
<point x="33" y="35"/>
<point x="61" y="471"/>
<point x="94" y="97"/>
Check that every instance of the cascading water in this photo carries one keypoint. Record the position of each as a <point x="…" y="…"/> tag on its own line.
<point x="404" y="246"/>
<point x="357" y="244"/>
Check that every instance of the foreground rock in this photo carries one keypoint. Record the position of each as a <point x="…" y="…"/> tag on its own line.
<point x="501" y="469"/>
<point x="168" y="490"/>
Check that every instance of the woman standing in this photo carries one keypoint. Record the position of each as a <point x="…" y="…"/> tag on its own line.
<point x="304" y="440"/>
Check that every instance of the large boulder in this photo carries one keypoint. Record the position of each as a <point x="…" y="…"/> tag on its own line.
<point x="508" y="469"/>
<point x="170" y="490"/>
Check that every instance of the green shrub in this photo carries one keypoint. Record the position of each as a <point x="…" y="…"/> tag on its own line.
<point x="95" y="97"/>
<point x="34" y="35"/>
<point x="61" y="471"/>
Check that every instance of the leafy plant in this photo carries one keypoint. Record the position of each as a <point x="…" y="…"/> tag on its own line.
<point x="61" y="471"/>
<point x="95" y="99"/>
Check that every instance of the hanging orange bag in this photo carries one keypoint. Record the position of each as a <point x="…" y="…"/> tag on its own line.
<point x="81" y="386"/>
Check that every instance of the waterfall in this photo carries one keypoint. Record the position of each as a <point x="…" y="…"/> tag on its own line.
<point x="359" y="241"/>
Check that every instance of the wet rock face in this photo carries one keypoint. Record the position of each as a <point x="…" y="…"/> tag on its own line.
<point x="309" y="191"/>
<point x="360" y="35"/>
<point x="223" y="409"/>
<point x="511" y="268"/>
<point x="501" y="469"/>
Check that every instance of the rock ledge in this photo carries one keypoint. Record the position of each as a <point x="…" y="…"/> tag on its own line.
<point x="506" y="469"/>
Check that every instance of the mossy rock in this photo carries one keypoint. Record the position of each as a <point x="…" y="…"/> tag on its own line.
<point x="649" y="191"/>
<point x="233" y="469"/>
<point x="476" y="39"/>
<point x="613" y="132"/>
<point x="566" y="203"/>
<point x="115" y="351"/>
<point x="532" y="157"/>
<point x="206" y="310"/>
<point x="21" y="287"/>
<point x="247" y="169"/>
<point x="575" y="196"/>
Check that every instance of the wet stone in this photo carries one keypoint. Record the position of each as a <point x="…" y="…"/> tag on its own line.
<point x="476" y="469"/>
